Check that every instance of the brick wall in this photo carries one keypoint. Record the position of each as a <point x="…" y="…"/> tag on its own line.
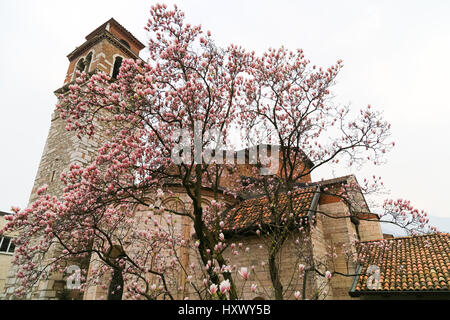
<point x="104" y="53"/>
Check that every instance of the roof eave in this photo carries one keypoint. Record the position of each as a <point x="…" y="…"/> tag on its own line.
<point x="104" y="35"/>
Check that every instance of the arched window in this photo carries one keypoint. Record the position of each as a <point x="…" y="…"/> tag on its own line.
<point x="173" y="206"/>
<point x="126" y="44"/>
<point x="80" y="65"/>
<point x="88" y="61"/>
<point x="117" y="64"/>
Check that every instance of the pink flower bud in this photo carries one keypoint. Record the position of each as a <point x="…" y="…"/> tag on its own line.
<point x="301" y="268"/>
<point x="213" y="289"/>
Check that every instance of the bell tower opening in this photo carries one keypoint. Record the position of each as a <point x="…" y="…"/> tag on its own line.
<point x="80" y="65"/>
<point x="117" y="64"/>
<point x="88" y="61"/>
<point x="104" y="50"/>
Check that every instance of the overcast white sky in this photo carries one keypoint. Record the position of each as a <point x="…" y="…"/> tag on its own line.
<point x="396" y="56"/>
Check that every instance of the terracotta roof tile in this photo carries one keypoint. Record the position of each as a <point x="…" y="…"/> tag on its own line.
<point x="252" y="212"/>
<point x="418" y="263"/>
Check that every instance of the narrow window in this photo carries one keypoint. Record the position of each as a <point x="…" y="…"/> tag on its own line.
<point x="88" y="61"/>
<point x="117" y="65"/>
<point x="53" y="176"/>
<point x="80" y="66"/>
<point x="6" y="245"/>
<point x="11" y="247"/>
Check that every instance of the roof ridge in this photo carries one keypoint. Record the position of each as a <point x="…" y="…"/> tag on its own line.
<point x="334" y="180"/>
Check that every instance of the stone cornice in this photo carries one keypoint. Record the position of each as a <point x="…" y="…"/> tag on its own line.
<point x="91" y="42"/>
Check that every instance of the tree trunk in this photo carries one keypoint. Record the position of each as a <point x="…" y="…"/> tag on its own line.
<point x="206" y="239"/>
<point x="116" y="286"/>
<point x="275" y="276"/>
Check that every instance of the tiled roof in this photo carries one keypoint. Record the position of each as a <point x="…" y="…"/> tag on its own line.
<point x="251" y="212"/>
<point x="409" y="264"/>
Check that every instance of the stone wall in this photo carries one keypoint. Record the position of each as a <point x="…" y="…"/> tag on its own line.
<point x="335" y="233"/>
<point x="291" y="255"/>
<point x="61" y="150"/>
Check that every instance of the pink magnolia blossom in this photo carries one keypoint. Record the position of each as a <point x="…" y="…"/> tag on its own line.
<point x="225" y="286"/>
<point x="244" y="273"/>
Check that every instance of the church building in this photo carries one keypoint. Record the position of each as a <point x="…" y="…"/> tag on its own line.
<point x="410" y="267"/>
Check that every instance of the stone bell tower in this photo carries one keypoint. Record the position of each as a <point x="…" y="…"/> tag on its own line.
<point x="103" y="51"/>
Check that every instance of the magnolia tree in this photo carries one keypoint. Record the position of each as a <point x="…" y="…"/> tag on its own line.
<point x="156" y="122"/>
